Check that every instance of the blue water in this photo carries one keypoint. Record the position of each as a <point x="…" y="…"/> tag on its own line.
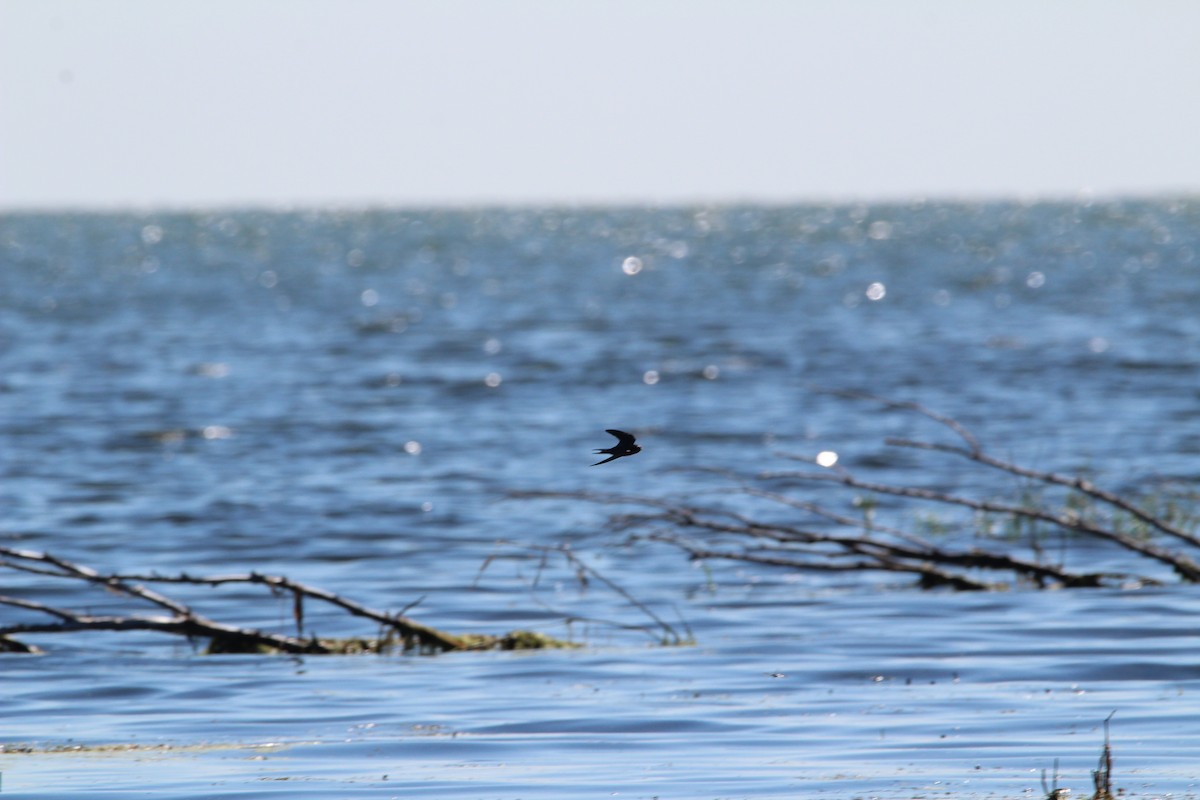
<point x="349" y="398"/>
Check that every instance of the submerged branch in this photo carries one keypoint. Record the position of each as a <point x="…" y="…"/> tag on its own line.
<point x="180" y="619"/>
<point x="1075" y="482"/>
<point x="1184" y="566"/>
<point x="423" y="635"/>
<point x="837" y="541"/>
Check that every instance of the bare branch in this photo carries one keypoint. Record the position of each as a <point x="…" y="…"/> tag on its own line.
<point x="1071" y="481"/>
<point x="191" y="627"/>
<point x="182" y="620"/>
<point x="423" y="634"/>
<point x="1185" y="567"/>
<point x="715" y="526"/>
<point x="952" y="424"/>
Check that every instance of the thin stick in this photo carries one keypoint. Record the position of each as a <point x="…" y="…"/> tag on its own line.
<point x="951" y="423"/>
<point x="1180" y="563"/>
<point x="424" y="634"/>
<point x="1081" y="484"/>
<point x="186" y="621"/>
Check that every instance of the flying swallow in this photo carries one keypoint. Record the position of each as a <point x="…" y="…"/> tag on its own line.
<point x="623" y="447"/>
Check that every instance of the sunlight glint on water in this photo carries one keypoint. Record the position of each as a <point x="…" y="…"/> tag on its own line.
<point x="347" y="398"/>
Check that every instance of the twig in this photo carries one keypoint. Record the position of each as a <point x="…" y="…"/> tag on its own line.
<point x="953" y="424"/>
<point x="423" y="634"/>
<point x="930" y="576"/>
<point x="1074" y="482"/>
<point x="185" y="621"/>
<point x="1102" y="775"/>
<point x="1180" y="563"/>
<point x="878" y="546"/>
<point x="189" y="625"/>
<point x="584" y="573"/>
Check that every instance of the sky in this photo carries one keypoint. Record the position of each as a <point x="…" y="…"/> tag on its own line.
<point x="292" y="103"/>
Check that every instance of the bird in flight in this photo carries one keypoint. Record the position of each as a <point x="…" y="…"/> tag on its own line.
<point x="623" y="447"/>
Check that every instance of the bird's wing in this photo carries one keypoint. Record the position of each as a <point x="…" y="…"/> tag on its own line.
<point x="605" y="461"/>
<point x="623" y="438"/>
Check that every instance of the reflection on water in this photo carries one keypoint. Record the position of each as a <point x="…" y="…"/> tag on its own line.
<point x="346" y="398"/>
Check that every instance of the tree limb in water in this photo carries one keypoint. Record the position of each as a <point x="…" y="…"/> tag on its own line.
<point x="813" y="537"/>
<point x="177" y="618"/>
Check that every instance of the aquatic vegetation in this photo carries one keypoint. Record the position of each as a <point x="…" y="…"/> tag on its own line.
<point x="1101" y="775"/>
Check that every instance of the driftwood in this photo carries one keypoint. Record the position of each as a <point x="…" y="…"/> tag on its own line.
<point x="397" y="631"/>
<point x="765" y="518"/>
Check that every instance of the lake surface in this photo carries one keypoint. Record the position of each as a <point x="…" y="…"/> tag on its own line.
<point x="350" y="399"/>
